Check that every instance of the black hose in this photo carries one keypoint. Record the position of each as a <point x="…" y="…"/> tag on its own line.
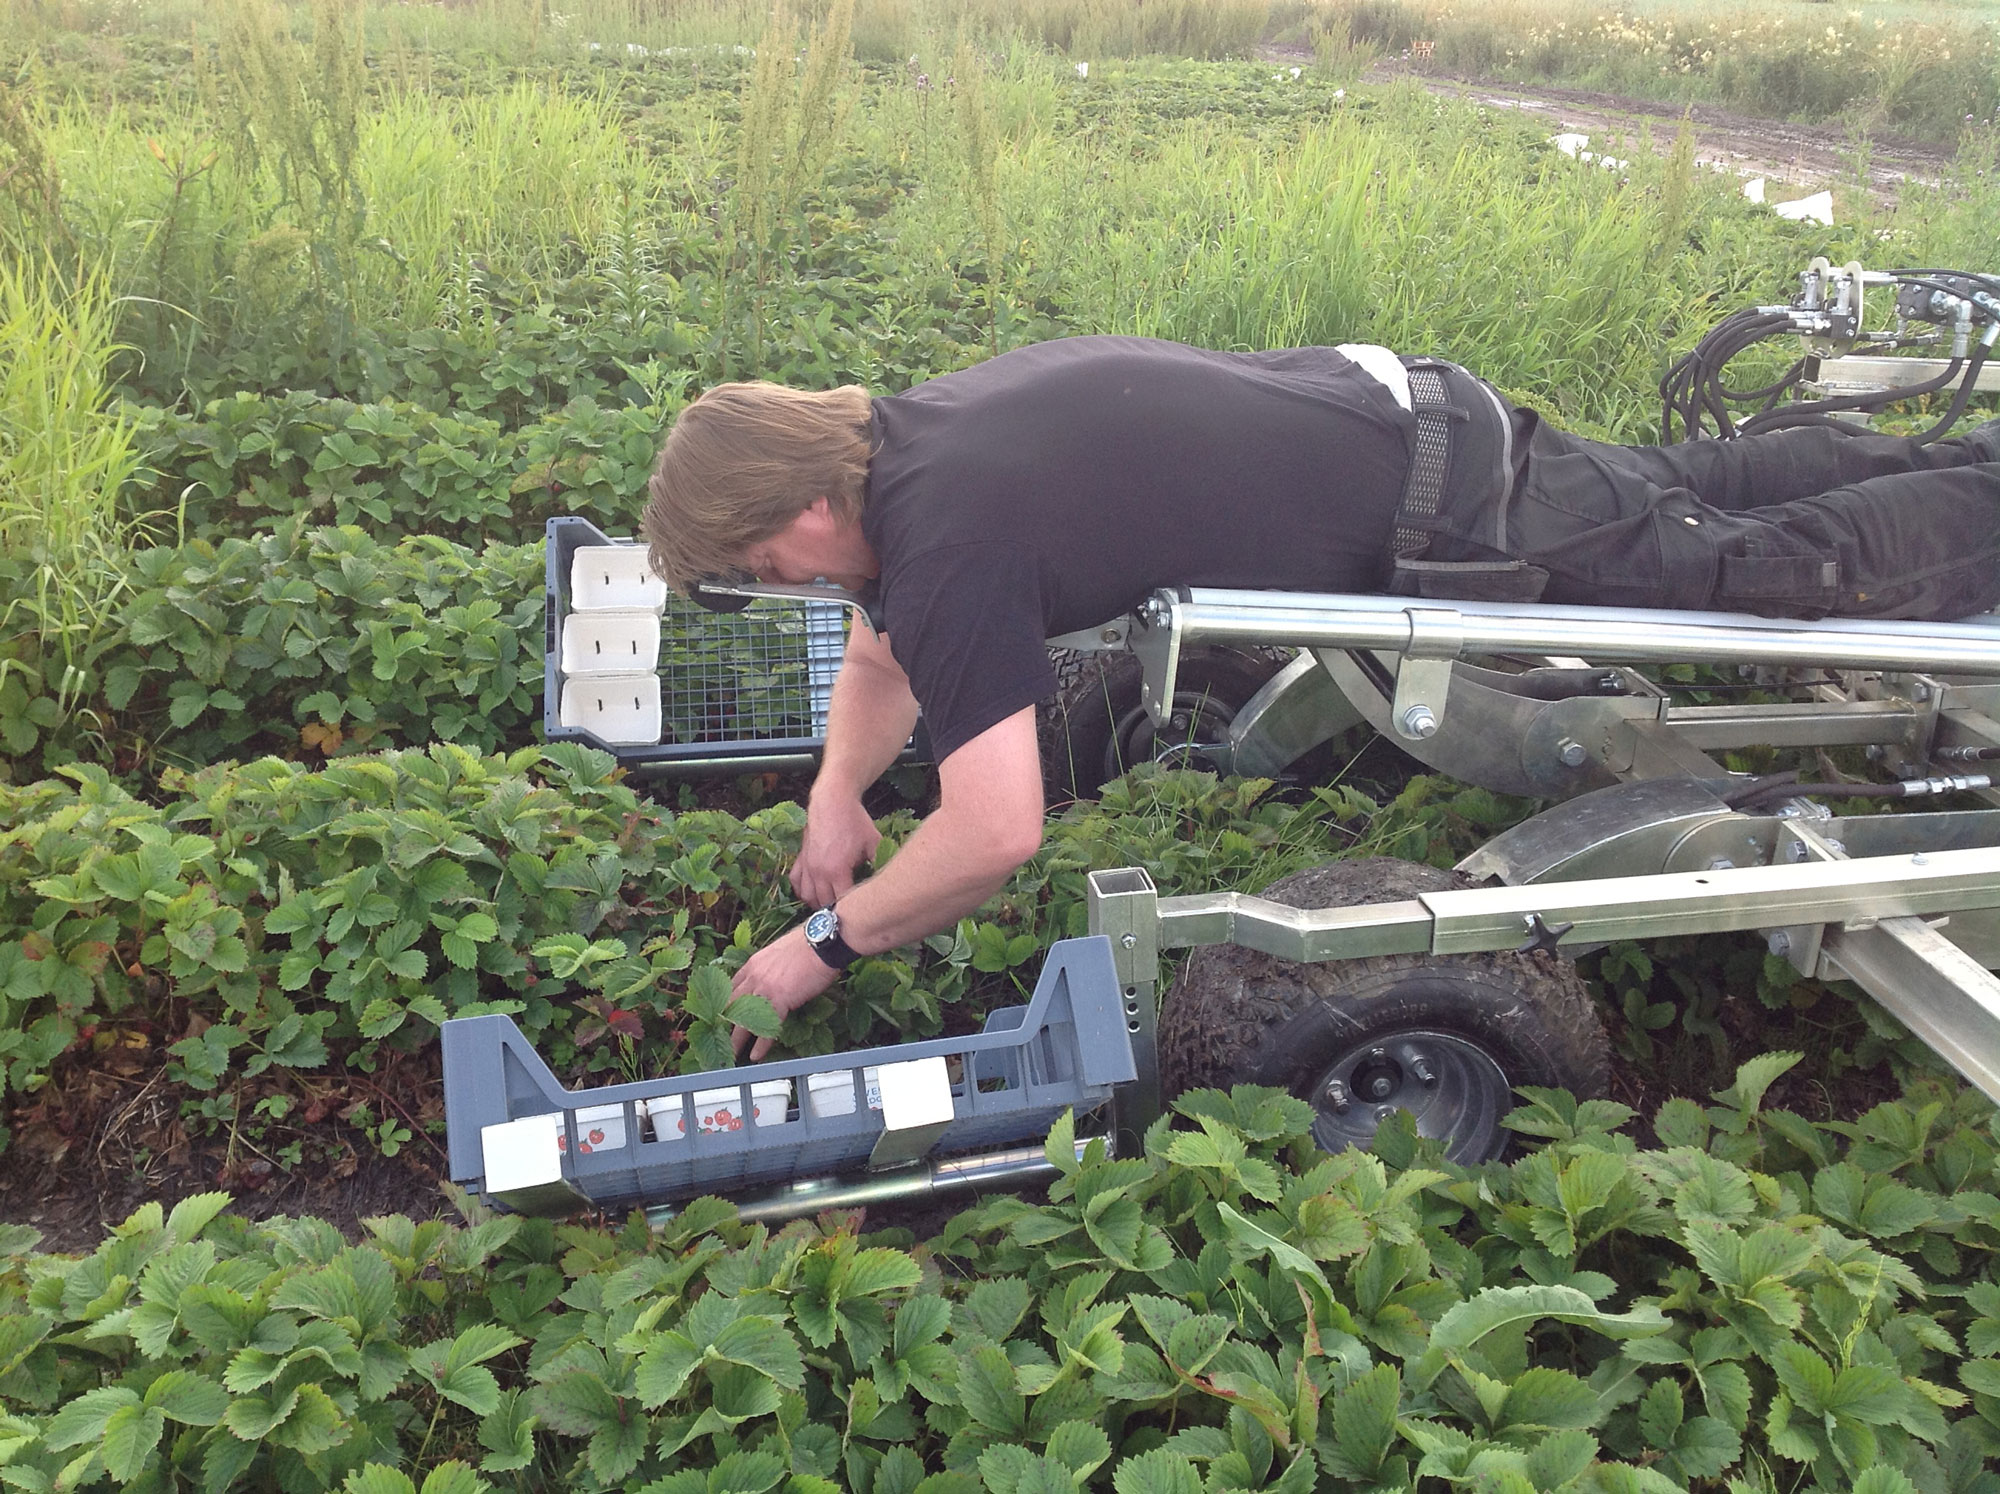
<point x="1754" y="796"/>
<point x="1959" y="399"/>
<point x="1779" y="419"/>
<point x="1693" y="393"/>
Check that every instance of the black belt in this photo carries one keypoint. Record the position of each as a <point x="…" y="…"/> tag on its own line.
<point x="1429" y="461"/>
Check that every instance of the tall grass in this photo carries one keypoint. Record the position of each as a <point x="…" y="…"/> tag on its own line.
<point x="522" y="180"/>
<point x="63" y="459"/>
<point x="205" y="244"/>
<point x="1410" y="222"/>
<point x="792" y="121"/>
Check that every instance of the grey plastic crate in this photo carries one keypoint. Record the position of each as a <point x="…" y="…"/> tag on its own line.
<point x="1068" y="1047"/>
<point x="738" y="690"/>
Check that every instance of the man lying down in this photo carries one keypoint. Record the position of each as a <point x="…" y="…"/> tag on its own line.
<point x="1058" y="485"/>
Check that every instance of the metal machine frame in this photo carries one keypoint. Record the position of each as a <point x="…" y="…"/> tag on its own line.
<point x="1646" y="840"/>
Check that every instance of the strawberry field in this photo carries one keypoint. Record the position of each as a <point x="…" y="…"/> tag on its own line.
<point x="311" y="314"/>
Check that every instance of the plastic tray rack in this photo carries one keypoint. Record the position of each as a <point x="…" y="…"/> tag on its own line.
<point x="521" y="1140"/>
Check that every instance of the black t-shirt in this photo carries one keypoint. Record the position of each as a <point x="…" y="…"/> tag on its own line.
<point x="1056" y="486"/>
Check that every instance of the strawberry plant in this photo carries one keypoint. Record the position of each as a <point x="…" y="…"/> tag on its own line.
<point x="1227" y="1309"/>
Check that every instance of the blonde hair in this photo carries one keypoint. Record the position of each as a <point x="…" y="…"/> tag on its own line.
<point x="741" y="463"/>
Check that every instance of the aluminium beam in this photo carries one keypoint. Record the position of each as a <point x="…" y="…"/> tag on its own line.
<point x="1399" y="624"/>
<point x="1652" y="905"/>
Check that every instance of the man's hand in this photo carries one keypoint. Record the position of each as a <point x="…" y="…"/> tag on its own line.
<point x="785" y="973"/>
<point x="988" y="821"/>
<point x="839" y="837"/>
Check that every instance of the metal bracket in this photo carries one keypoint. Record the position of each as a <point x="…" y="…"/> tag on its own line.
<point x="1800" y="943"/>
<point x="1155" y="637"/>
<point x="1096" y="640"/>
<point x="1125" y="906"/>
<point x="1423" y="676"/>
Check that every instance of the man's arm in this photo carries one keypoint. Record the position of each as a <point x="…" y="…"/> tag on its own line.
<point x="987" y="823"/>
<point x="868" y="720"/>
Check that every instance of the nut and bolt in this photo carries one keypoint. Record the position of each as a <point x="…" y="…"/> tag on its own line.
<point x="1779" y="942"/>
<point x="1420" y="721"/>
<point x="1720" y="863"/>
<point x="1109" y="635"/>
<point x="1875" y="752"/>
<point x="1383" y="1112"/>
<point x="1336" y="1096"/>
<point x="1129" y="941"/>
<point x="1572" y="752"/>
<point x="1424" y="1072"/>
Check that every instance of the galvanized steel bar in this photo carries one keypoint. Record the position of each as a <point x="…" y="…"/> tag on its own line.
<point x="1932" y="986"/>
<point x="1637" y="907"/>
<point x="1308" y="620"/>
<point x="996" y="1170"/>
<point x="1729" y="898"/>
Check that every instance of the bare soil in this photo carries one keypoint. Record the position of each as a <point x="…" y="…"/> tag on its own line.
<point x="110" y="1133"/>
<point x="1809" y="157"/>
<point x="1787" y="155"/>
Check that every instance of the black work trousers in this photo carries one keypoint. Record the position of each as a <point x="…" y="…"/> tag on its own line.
<point x="1806" y="522"/>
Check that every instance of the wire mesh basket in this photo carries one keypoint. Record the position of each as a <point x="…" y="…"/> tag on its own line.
<point x="655" y="679"/>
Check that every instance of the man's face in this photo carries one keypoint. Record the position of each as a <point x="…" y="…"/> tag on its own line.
<point x="812" y="546"/>
<point x="787" y="556"/>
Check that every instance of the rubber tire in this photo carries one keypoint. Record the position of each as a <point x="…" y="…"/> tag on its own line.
<point x="1096" y="707"/>
<point x="1237" y="1016"/>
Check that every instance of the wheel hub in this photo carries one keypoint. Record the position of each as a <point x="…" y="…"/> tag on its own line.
<point x="1193" y="732"/>
<point x="1453" y="1087"/>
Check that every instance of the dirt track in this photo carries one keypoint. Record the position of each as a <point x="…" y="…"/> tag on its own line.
<point x="1807" y="157"/>
<point x="1803" y="155"/>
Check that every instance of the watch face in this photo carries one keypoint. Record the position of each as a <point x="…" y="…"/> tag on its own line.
<point x="822" y="925"/>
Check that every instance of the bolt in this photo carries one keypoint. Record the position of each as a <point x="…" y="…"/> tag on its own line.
<point x="1109" y="635"/>
<point x="1420" y="721"/>
<point x="1130" y="941"/>
<point x="1779" y="942"/>
<point x="1154" y="613"/>
<point x="1383" y="1112"/>
<point x="1720" y="863"/>
<point x="1796" y="851"/>
<point x="1920" y="693"/>
<point x="1875" y="752"/>
<point x="1336" y="1095"/>
<point x="1572" y="752"/>
<point x="1422" y="1069"/>
<point x="1380" y="1087"/>
<point x="1839" y="848"/>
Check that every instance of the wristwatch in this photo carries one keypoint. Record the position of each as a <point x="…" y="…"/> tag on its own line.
<point x="823" y="934"/>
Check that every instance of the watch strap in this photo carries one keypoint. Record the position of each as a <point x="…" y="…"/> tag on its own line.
<point x="831" y="948"/>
